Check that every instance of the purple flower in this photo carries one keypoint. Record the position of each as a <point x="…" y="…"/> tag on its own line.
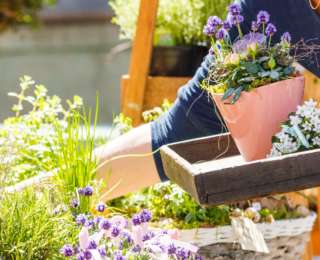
<point x="115" y="231"/>
<point x="171" y="249"/>
<point x="87" y="254"/>
<point x="92" y="244"/>
<point x="97" y="220"/>
<point x="214" y="21"/>
<point x="271" y="29"/>
<point x="67" y="250"/>
<point x="211" y="51"/>
<point x="118" y="256"/>
<point x="88" y="190"/>
<point x="286" y="37"/>
<point x="74" y="203"/>
<point x="234" y="9"/>
<point x="102" y="251"/>
<point x="80" y="256"/>
<point x="235" y="19"/>
<point x="209" y="30"/>
<point x="241" y="46"/>
<point x="81" y="191"/>
<point x="183" y="253"/>
<point x="145" y="216"/>
<point x="221" y="34"/>
<point x="136" y="220"/>
<point x="263" y="17"/>
<point x="255" y="26"/>
<point x="81" y="219"/>
<point x="101" y="207"/>
<point x="105" y="224"/>
<point x="89" y="223"/>
<point x="136" y="249"/>
<point x="227" y="25"/>
<point x="198" y="257"/>
<point x="127" y="237"/>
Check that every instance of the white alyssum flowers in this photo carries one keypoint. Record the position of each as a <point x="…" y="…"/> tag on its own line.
<point x="300" y="132"/>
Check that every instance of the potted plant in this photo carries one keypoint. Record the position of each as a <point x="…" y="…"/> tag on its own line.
<point x="179" y="44"/>
<point x="252" y="82"/>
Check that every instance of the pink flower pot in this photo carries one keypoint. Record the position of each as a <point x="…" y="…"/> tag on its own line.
<point x="258" y="114"/>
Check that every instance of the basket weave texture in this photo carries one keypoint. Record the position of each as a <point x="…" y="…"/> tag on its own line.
<point x="286" y="239"/>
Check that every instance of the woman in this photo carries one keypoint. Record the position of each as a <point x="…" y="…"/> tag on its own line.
<point x="192" y="113"/>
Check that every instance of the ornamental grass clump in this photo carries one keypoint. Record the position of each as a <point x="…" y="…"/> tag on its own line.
<point x="243" y="62"/>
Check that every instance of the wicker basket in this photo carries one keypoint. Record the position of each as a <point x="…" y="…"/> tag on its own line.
<point x="286" y="239"/>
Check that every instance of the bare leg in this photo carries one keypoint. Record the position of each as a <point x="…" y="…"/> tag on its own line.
<point x="128" y="174"/>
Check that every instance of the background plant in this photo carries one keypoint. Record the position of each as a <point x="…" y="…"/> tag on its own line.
<point x="178" y="22"/>
<point x="13" y="12"/>
<point x="29" y="229"/>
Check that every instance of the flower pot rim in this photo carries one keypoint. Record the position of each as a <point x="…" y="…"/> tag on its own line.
<point x="299" y="76"/>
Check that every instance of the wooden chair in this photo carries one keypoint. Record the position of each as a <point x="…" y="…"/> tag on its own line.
<point x="140" y="92"/>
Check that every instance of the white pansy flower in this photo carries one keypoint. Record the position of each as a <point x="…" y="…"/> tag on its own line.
<point x="295" y="120"/>
<point x="316" y="141"/>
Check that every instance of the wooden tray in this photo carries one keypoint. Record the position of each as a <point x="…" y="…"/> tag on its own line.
<point x="213" y="172"/>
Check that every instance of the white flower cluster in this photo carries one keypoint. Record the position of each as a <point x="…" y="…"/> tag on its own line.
<point x="300" y="132"/>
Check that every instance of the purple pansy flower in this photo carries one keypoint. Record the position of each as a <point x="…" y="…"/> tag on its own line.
<point x="92" y="244"/>
<point x="263" y="17"/>
<point x="88" y="190"/>
<point x="115" y="231"/>
<point x="183" y="253"/>
<point x="227" y="25"/>
<point x="136" y="249"/>
<point x="145" y="216"/>
<point x="221" y="34"/>
<point x="286" y="37"/>
<point x="67" y="250"/>
<point x="81" y="219"/>
<point x="234" y="9"/>
<point x="241" y="46"/>
<point x="105" y="224"/>
<point x="271" y="29"/>
<point x="136" y="220"/>
<point x="209" y="30"/>
<point x="235" y="19"/>
<point x="255" y="26"/>
<point x="214" y="21"/>
<point x="80" y="256"/>
<point x="102" y="251"/>
<point x="101" y="207"/>
<point x="74" y="203"/>
<point x="171" y="249"/>
<point x="87" y="254"/>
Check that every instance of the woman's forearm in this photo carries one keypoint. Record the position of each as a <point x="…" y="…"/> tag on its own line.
<point x="127" y="174"/>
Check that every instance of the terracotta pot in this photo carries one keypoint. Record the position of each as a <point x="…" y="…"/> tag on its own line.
<point x="257" y="115"/>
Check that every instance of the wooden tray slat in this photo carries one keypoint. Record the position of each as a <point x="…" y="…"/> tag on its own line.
<point x="214" y="175"/>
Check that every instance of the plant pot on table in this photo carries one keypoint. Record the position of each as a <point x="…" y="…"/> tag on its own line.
<point x="257" y="115"/>
<point x="178" y="61"/>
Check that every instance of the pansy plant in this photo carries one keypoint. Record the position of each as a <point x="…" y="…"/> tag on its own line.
<point x="251" y="60"/>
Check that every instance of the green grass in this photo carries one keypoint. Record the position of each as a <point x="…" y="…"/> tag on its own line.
<point x="28" y="229"/>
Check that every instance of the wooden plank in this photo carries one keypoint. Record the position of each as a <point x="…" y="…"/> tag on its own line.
<point x="140" y="60"/>
<point x="156" y="90"/>
<point x="227" y="180"/>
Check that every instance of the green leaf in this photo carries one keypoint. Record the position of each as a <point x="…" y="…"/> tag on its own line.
<point x="288" y="70"/>
<point x="263" y="59"/>
<point x="237" y="94"/>
<point x="252" y="68"/>
<point x="228" y="93"/>
<point x="246" y="80"/>
<point x="272" y="63"/>
<point x="275" y="75"/>
<point x="264" y="74"/>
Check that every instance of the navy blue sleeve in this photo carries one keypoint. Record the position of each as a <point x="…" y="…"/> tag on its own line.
<point x="193" y="113"/>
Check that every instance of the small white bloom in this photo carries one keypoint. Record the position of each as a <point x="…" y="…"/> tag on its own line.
<point x="295" y="120"/>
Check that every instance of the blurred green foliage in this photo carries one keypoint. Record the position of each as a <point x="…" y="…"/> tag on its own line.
<point x="179" y="22"/>
<point x="13" y="12"/>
